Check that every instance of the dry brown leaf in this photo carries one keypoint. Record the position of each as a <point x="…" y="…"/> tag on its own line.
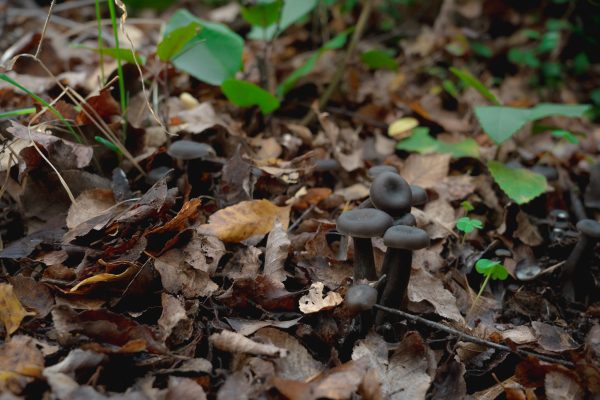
<point x="278" y="245"/>
<point x="299" y="364"/>
<point x="247" y="327"/>
<point x="244" y="220"/>
<point x="233" y="342"/>
<point x="89" y="204"/>
<point x="178" y="276"/>
<point x="184" y="388"/>
<point x="12" y="312"/>
<point x="314" y="301"/>
<point x="553" y="338"/>
<point x="526" y="232"/>
<point x="425" y="287"/>
<point x="426" y="170"/>
<point x="20" y="361"/>
<point x="174" y="323"/>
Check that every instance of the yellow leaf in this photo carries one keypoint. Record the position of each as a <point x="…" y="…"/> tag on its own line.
<point x="106" y="277"/>
<point x="11" y="310"/>
<point x="244" y="220"/>
<point x="401" y="128"/>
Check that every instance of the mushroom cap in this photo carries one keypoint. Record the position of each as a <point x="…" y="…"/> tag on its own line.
<point x="360" y="297"/>
<point x="406" y="219"/>
<point x="391" y="193"/>
<point x="589" y="227"/>
<point x="190" y="150"/>
<point x="364" y="222"/>
<point x="419" y="195"/>
<point x="373" y="172"/>
<point x="406" y="237"/>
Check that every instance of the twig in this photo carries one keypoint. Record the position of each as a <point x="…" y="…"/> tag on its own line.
<point x="474" y="339"/>
<point x="301" y="217"/>
<point x="339" y="73"/>
<point x="39" y="48"/>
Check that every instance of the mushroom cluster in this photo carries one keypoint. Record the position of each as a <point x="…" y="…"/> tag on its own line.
<point x="386" y="214"/>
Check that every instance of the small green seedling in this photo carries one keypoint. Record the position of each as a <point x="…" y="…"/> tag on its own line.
<point x="467" y="225"/>
<point x="467" y="206"/>
<point x="491" y="270"/>
<point x="566" y="135"/>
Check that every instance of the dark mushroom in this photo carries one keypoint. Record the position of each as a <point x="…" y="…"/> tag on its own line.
<point x="360" y="297"/>
<point x="591" y="197"/>
<point x="391" y="193"/>
<point x="418" y="195"/>
<point x="362" y="225"/>
<point x="401" y="241"/>
<point x="576" y="266"/>
<point x="189" y="150"/>
<point x="373" y="172"/>
<point x="406" y="219"/>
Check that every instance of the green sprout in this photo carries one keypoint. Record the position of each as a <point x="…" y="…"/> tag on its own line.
<point x="467" y="206"/>
<point x="491" y="270"/>
<point x="467" y="225"/>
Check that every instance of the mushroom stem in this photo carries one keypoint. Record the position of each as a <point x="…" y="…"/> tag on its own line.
<point x="364" y="264"/>
<point x="396" y="266"/>
<point x="576" y="268"/>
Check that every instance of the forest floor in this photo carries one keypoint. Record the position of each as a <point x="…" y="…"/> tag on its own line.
<point x="170" y="183"/>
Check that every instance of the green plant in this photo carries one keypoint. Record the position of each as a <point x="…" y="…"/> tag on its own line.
<point x="379" y="59"/>
<point x="421" y="142"/>
<point x="16" y="113"/>
<point x="467" y="225"/>
<point x="491" y="270"/>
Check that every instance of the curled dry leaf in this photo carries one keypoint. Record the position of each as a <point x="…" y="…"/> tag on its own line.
<point x="234" y="342"/>
<point x="245" y="220"/>
<point x="12" y="312"/>
<point x="314" y="301"/>
<point x="278" y="245"/>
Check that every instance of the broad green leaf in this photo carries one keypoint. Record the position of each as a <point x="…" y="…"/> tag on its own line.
<point x="500" y="123"/>
<point x="213" y="55"/>
<point x="124" y="54"/>
<point x="468" y="225"/>
<point x="247" y="94"/>
<point x="173" y="42"/>
<point x="420" y="142"/>
<point x="293" y="10"/>
<point x="468" y="79"/>
<point x="520" y="184"/>
<point x="262" y="14"/>
<point x="379" y="59"/>
<point x="337" y="42"/>
<point x="493" y="269"/>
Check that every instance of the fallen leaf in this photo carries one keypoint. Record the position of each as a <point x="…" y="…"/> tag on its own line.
<point x="314" y="301"/>
<point x="278" y="245"/>
<point x="184" y="388"/>
<point x="560" y="386"/>
<point x="174" y="324"/>
<point x="244" y="220"/>
<point x="233" y="342"/>
<point x="20" y="362"/>
<point x="12" y="312"/>
<point x="426" y="170"/>
<point x="425" y="287"/>
<point x="247" y="327"/>
<point x="401" y="128"/>
<point x="527" y="232"/>
<point x="179" y="277"/>
<point x="32" y="294"/>
<point x="553" y="338"/>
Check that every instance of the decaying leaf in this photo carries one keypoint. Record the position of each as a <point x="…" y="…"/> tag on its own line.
<point x="278" y="245"/>
<point x="12" y="312"/>
<point x="426" y="170"/>
<point x="315" y="301"/>
<point x="20" y="363"/>
<point x="89" y="204"/>
<point x="244" y="220"/>
<point x="235" y="343"/>
<point x="425" y="287"/>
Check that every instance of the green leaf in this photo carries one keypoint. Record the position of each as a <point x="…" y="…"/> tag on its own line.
<point x="174" y="41"/>
<point x="467" y="206"/>
<point x="124" y="54"/>
<point x="262" y="14"/>
<point x="563" y="134"/>
<point x="337" y="42"/>
<point x="293" y="10"/>
<point x="520" y="184"/>
<point x="468" y="225"/>
<point x="247" y="94"/>
<point x="481" y="49"/>
<point x="421" y="142"/>
<point x="379" y="59"/>
<point x="212" y="55"/>
<point x="523" y="57"/>
<point x="493" y="269"/>
<point x="17" y="112"/>
<point x="450" y="87"/>
<point x="110" y="145"/>
<point x="468" y="79"/>
<point x="500" y="123"/>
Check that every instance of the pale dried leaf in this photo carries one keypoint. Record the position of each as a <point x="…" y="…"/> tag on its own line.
<point x="233" y="342"/>
<point x="526" y="232"/>
<point x="562" y="387"/>
<point x="354" y="192"/>
<point x="12" y="312"/>
<point x="177" y="276"/>
<point x="425" y="287"/>
<point x="245" y="220"/>
<point x="426" y="170"/>
<point x="408" y="375"/>
<point x="314" y="301"/>
<point x="173" y="319"/>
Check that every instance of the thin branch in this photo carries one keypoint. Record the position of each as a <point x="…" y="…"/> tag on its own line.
<point x="474" y="339"/>
<point x="39" y="48"/>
